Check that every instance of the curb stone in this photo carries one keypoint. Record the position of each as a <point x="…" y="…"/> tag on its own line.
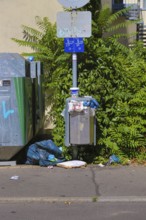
<point x="73" y="199"/>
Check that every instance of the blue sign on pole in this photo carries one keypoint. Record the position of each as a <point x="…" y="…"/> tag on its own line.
<point x="73" y="45"/>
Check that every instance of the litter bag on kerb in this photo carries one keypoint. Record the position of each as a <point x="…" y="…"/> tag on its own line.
<point x="44" y="153"/>
<point x="50" y="147"/>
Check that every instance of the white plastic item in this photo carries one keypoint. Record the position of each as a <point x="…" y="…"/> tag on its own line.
<point x="72" y="164"/>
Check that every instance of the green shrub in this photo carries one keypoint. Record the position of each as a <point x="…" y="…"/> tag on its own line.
<point x="110" y="72"/>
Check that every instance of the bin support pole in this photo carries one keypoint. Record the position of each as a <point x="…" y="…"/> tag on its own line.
<point x="75" y="153"/>
<point x="74" y="69"/>
<point x="74" y="72"/>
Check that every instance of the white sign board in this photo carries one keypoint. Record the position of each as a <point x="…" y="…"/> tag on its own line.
<point x="73" y="3"/>
<point x="74" y="24"/>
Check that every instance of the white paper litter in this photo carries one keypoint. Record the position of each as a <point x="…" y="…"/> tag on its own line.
<point x="72" y="164"/>
<point x="101" y="165"/>
<point x="14" y="178"/>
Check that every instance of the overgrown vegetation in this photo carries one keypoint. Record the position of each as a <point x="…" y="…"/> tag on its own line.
<point x="112" y="73"/>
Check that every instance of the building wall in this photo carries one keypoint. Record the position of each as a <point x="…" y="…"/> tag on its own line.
<point x="144" y="17"/>
<point x="14" y="13"/>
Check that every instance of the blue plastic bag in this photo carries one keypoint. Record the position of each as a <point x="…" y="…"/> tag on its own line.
<point x="44" y="153"/>
<point x="113" y="159"/>
<point x="92" y="104"/>
<point x="50" y="147"/>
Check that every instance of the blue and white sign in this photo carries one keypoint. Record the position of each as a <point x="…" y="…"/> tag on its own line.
<point x="73" y="45"/>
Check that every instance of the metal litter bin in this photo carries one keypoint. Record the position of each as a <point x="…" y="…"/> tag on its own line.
<point x="80" y="122"/>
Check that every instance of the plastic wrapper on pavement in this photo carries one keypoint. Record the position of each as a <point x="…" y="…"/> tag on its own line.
<point x="72" y="164"/>
<point x="113" y="159"/>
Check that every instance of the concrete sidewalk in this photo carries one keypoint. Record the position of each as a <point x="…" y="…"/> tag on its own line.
<point x="92" y="183"/>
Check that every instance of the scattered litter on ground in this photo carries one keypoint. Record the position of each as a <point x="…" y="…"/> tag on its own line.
<point x="101" y="165"/>
<point x="50" y="167"/>
<point x="72" y="164"/>
<point x="14" y="178"/>
<point x="44" y="153"/>
<point x="113" y="159"/>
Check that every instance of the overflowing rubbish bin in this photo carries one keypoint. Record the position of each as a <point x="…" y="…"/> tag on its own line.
<point x="80" y="121"/>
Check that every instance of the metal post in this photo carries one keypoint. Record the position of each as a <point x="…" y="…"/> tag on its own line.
<point x="74" y="69"/>
<point x="75" y="153"/>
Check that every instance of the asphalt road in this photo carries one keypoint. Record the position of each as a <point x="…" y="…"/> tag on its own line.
<point x="90" y="193"/>
<point x="74" y="211"/>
